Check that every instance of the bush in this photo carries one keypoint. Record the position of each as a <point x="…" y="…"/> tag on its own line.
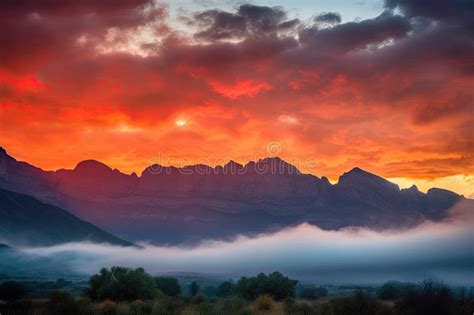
<point x="432" y="298"/>
<point x="12" y="290"/>
<point x="275" y="284"/>
<point x="61" y="302"/>
<point x="122" y="284"/>
<point x="168" y="285"/>
<point x="290" y="306"/>
<point x="264" y="302"/>
<point x="360" y="304"/>
<point x="393" y="290"/>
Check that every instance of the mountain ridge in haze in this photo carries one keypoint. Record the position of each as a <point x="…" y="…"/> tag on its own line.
<point x="25" y="221"/>
<point x="174" y="205"/>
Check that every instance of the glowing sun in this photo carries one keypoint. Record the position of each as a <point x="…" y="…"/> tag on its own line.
<point x="181" y="122"/>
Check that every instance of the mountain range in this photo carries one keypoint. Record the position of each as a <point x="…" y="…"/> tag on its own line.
<point x="181" y="205"/>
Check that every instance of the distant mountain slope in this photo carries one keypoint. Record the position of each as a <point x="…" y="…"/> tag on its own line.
<point x="26" y="221"/>
<point x="18" y="263"/>
<point x="173" y="205"/>
<point x="4" y="247"/>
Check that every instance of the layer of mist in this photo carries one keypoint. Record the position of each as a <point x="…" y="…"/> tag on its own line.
<point x="442" y="251"/>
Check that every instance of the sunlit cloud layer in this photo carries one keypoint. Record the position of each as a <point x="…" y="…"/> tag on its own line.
<point x="128" y="81"/>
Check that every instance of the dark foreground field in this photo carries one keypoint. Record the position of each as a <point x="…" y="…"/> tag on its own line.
<point x="356" y="304"/>
<point x="122" y="290"/>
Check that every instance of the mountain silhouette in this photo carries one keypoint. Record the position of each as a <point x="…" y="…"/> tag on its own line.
<point x="29" y="222"/>
<point x="175" y="205"/>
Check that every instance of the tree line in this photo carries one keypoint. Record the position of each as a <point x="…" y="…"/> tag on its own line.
<point x="127" y="284"/>
<point x="137" y="292"/>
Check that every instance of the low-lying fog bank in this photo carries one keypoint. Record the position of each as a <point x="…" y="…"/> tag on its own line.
<point x="443" y="251"/>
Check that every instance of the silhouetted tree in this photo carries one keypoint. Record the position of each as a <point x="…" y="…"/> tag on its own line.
<point x="12" y="290"/>
<point x="226" y="288"/>
<point x="432" y="298"/>
<point x="360" y="304"/>
<point x="122" y="284"/>
<point x="193" y="288"/>
<point x="393" y="290"/>
<point x="275" y="284"/>
<point x="168" y="285"/>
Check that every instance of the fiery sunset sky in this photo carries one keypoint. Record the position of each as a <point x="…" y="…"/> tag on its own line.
<point x="386" y="86"/>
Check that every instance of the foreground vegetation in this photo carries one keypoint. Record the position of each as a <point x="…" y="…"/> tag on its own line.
<point x="122" y="290"/>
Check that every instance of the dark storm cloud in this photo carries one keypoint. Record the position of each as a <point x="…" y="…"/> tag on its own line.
<point x="70" y="7"/>
<point x="249" y="20"/>
<point x="221" y="25"/>
<point x="353" y="35"/>
<point x="37" y="31"/>
<point x="261" y="18"/>
<point x="328" y="17"/>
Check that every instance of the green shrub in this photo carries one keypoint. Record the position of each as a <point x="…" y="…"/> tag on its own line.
<point x="168" y="285"/>
<point x="122" y="284"/>
<point x="274" y="284"/>
<point x="61" y="302"/>
<point x="290" y="306"/>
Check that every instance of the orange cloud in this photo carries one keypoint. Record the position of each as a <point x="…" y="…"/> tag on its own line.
<point x="331" y="100"/>
<point x="240" y="88"/>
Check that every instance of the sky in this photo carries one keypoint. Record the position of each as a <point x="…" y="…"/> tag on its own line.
<point x="329" y="85"/>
